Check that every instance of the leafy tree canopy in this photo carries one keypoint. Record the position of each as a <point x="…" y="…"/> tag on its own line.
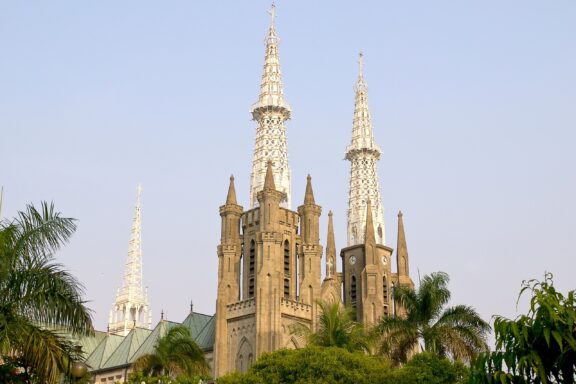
<point x="539" y="347"/>
<point x="331" y="365"/>
<point x="424" y="322"/>
<point x="40" y="302"/>
<point x="176" y="355"/>
<point x="336" y="328"/>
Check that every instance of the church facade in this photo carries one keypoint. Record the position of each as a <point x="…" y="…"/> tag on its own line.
<point x="270" y="257"/>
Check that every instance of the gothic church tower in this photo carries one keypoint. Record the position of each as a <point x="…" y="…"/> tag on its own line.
<point x="268" y="276"/>
<point x="269" y="257"/>
<point x="366" y="262"/>
<point x="368" y="277"/>
<point x="131" y="308"/>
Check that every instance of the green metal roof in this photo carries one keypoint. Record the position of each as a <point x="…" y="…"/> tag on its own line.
<point x="103" y="351"/>
<point x="147" y="347"/>
<point x="123" y="353"/>
<point x="196" y="322"/>
<point x="109" y="351"/>
<point x="90" y="343"/>
<point x="206" y="337"/>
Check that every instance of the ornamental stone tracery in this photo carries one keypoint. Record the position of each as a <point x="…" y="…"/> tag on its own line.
<point x="363" y="153"/>
<point x="270" y="112"/>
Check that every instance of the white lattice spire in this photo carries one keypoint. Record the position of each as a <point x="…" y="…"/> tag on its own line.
<point x="363" y="153"/>
<point x="131" y="306"/>
<point x="271" y="111"/>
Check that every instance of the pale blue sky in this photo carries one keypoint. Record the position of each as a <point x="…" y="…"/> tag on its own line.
<point x="473" y="104"/>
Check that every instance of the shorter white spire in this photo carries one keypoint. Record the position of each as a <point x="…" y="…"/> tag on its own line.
<point x="131" y="307"/>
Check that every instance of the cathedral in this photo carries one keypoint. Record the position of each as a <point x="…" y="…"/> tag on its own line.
<point x="270" y="257"/>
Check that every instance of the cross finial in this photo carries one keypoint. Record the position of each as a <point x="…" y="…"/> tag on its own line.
<point x="330" y="263"/>
<point x="361" y="62"/>
<point x="272" y="13"/>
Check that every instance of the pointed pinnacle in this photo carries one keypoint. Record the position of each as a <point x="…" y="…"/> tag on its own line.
<point x="402" y="248"/>
<point x="269" y="180"/>
<point x="309" y="195"/>
<point x="231" y="197"/>
<point x="369" y="237"/>
<point x="330" y="243"/>
<point x="272" y="13"/>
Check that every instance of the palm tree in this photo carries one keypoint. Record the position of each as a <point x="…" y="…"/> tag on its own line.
<point x="336" y="328"/>
<point x="457" y="332"/>
<point x="40" y="302"/>
<point x="176" y="354"/>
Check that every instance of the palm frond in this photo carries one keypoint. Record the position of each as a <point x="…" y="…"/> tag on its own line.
<point x="40" y="303"/>
<point x="41" y="232"/>
<point x="48" y="353"/>
<point x="47" y="294"/>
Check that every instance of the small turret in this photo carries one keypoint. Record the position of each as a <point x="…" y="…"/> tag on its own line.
<point x="231" y="197"/>
<point x="369" y="237"/>
<point x="330" y="249"/>
<point x="309" y="195"/>
<point x="269" y="199"/>
<point x="310" y="216"/>
<point x="402" y="249"/>
<point x="230" y="214"/>
<point x="269" y="179"/>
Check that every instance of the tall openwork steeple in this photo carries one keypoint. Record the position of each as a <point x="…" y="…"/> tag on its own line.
<point x="363" y="153"/>
<point x="270" y="112"/>
<point x="131" y="308"/>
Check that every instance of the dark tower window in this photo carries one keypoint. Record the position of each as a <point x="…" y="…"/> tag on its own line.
<point x="251" y="268"/>
<point x="240" y="275"/>
<point x="385" y="290"/>
<point x="297" y="270"/>
<point x="353" y="292"/>
<point x="286" y="269"/>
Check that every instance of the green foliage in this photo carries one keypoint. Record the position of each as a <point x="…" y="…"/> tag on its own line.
<point x="176" y="355"/>
<point x="11" y="374"/>
<point x="336" y="328"/>
<point x="428" y="368"/>
<point x="539" y="347"/>
<point x="139" y="378"/>
<point x="457" y="332"/>
<point x="332" y="365"/>
<point x="319" y="365"/>
<point x="40" y="302"/>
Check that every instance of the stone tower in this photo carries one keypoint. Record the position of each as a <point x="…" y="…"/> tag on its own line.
<point x="363" y="153"/>
<point x="270" y="112"/>
<point x="268" y="275"/>
<point x="367" y="275"/>
<point x="131" y="308"/>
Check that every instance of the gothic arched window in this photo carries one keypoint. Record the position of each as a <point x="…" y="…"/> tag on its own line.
<point x="353" y="291"/>
<point x="286" y="269"/>
<point x="251" y="268"/>
<point x="384" y="289"/>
